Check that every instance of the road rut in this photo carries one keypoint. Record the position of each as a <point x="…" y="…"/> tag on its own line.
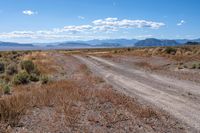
<point x="165" y="93"/>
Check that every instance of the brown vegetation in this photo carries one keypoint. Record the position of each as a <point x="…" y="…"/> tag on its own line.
<point x="84" y="103"/>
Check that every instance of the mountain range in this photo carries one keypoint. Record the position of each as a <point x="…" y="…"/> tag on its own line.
<point x="107" y="43"/>
<point x="156" y="42"/>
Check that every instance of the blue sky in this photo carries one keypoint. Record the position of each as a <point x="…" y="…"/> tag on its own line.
<point x="63" y="20"/>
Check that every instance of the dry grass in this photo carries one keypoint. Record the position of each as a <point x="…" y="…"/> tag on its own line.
<point x="72" y="100"/>
<point x="64" y="97"/>
<point x="44" y="61"/>
<point x="183" y="53"/>
<point x="60" y="94"/>
<point x="84" y="69"/>
<point x="147" y="65"/>
<point x="117" y="99"/>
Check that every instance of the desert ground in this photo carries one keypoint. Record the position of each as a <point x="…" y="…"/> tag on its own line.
<point x="101" y="90"/>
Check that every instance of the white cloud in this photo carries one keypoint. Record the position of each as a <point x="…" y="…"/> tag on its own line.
<point x="76" y="29"/>
<point x="96" y="29"/>
<point x="29" y="12"/>
<point x="125" y="23"/>
<point x="81" y="17"/>
<point x="181" y="23"/>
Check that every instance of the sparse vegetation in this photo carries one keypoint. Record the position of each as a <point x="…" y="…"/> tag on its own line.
<point x="28" y="65"/>
<point x="44" y="79"/>
<point x="6" y="89"/>
<point x="21" y="78"/>
<point x="12" y="69"/>
<point x="74" y="97"/>
<point x="170" y="50"/>
<point x="34" y="77"/>
<point x="194" y="66"/>
<point x="199" y="66"/>
<point x="2" y="67"/>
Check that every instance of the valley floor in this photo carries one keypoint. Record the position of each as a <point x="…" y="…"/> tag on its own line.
<point x="94" y="93"/>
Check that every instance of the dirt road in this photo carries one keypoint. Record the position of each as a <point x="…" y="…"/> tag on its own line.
<point x="179" y="98"/>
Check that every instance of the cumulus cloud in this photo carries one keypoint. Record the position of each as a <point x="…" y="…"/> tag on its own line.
<point x="29" y="12"/>
<point x="125" y="23"/>
<point x="96" y="27"/>
<point x="181" y="22"/>
<point x="79" y="28"/>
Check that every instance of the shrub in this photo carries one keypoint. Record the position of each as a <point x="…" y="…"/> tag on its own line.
<point x="21" y="78"/>
<point x="11" y="69"/>
<point x="36" y="71"/>
<point x="14" y="52"/>
<point x="185" y="66"/>
<point x="34" y="77"/>
<point x="2" y="67"/>
<point x="199" y="66"/>
<point x="194" y="66"/>
<point x="170" y="50"/>
<point x="44" y="79"/>
<point x="28" y="65"/>
<point x="6" y="89"/>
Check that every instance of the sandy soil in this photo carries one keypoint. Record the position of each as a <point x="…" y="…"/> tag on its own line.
<point x="180" y="98"/>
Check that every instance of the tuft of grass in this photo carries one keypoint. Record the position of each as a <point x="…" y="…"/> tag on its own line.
<point x="170" y="50"/>
<point x="28" y="66"/>
<point x="44" y="79"/>
<point x="198" y="66"/>
<point x="21" y="78"/>
<point x="194" y="66"/>
<point x="11" y="69"/>
<point x="2" y="67"/>
<point x="6" y="89"/>
<point x="34" y="77"/>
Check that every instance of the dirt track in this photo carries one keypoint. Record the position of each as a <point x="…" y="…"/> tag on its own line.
<point x="179" y="98"/>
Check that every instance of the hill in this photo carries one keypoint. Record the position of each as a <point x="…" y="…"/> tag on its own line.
<point x="156" y="42"/>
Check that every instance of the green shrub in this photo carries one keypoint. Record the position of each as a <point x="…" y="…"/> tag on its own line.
<point x="28" y="65"/>
<point x="44" y="79"/>
<point x="185" y="66"/>
<point x="170" y="50"/>
<point x="34" y="77"/>
<point x="194" y="66"/>
<point x="21" y="78"/>
<point x="198" y="66"/>
<point x="6" y="89"/>
<point x="11" y="69"/>
<point x="14" y="52"/>
<point x="2" y="67"/>
<point x="36" y="71"/>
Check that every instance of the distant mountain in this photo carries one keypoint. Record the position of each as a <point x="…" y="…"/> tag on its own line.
<point x="182" y="41"/>
<point x="196" y="40"/>
<point x="84" y="45"/>
<point x="73" y="45"/>
<point x="106" y="43"/>
<point x="12" y="44"/>
<point x="124" y="42"/>
<point x="192" y="43"/>
<point x="109" y="45"/>
<point x="156" y="42"/>
<point x="97" y="43"/>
